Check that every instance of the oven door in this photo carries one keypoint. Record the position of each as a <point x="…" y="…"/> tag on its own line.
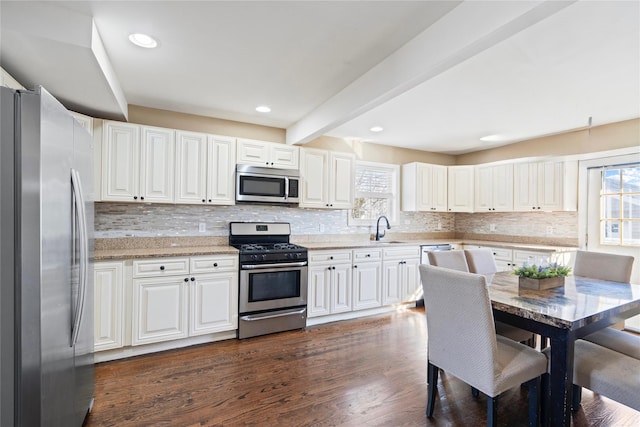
<point x="272" y="286"/>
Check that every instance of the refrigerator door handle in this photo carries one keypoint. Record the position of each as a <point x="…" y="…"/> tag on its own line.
<point x="84" y="254"/>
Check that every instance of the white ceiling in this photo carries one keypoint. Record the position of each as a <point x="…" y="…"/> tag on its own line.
<point x="437" y="75"/>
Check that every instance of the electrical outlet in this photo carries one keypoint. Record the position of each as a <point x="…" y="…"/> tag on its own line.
<point x="549" y="229"/>
<point x="492" y="227"/>
<point x="321" y="228"/>
<point x="202" y="227"/>
<point x="439" y="226"/>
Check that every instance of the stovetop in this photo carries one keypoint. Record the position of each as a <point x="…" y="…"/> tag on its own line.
<point x="265" y="243"/>
<point x="269" y="247"/>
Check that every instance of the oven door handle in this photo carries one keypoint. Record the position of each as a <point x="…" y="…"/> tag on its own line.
<point x="278" y="265"/>
<point x="254" y="317"/>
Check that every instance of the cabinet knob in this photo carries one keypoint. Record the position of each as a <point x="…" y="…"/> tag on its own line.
<point x="141" y="197"/>
<point x="327" y="205"/>
<point x="203" y="201"/>
<point x="271" y="163"/>
<point x="355" y="266"/>
<point x="215" y="264"/>
<point x="193" y="279"/>
<point x="209" y="200"/>
<point x="162" y="267"/>
<point x="186" y="279"/>
<point x="329" y="268"/>
<point x="331" y="205"/>
<point x="135" y="197"/>
<point x="368" y="255"/>
<point x="331" y="257"/>
<point x="333" y="268"/>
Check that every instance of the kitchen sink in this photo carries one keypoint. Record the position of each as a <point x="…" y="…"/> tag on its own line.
<point x="385" y="242"/>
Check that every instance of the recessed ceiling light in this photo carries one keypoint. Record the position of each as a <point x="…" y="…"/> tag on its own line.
<point x="263" y="109"/>
<point x="377" y="129"/>
<point x="143" y="40"/>
<point x="494" y="138"/>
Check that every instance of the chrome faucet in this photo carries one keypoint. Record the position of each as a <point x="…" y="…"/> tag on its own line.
<point x="378" y="235"/>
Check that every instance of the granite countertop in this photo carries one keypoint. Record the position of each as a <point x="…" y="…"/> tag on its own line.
<point x="153" y="247"/>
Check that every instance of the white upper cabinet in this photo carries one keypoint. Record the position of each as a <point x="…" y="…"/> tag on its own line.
<point x="424" y="187"/>
<point x="204" y="169"/>
<point x="545" y="186"/>
<point x="137" y="163"/>
<point x="267" y="154"/>
<point x="494" y="188"/>
<point x="327" y="179"/>
<point x="460" y="188"/>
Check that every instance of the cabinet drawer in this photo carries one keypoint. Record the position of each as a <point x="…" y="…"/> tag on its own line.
<point x="530" y="257"/>
<point x="401" y="252"/>
<point x="212" y="264"/>
<point x="360" y="255"/>
<point x="502" y="254"/>
<point x="329" y="256"/>
<point x="160" y="267"/>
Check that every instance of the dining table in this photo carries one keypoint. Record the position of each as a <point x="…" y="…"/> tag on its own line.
<point x="562" y="314"/>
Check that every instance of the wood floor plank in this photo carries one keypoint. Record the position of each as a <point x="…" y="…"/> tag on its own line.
<point x="362" y="372"/>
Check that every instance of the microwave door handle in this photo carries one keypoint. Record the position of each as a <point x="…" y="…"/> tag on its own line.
<point x="286" y="187"/>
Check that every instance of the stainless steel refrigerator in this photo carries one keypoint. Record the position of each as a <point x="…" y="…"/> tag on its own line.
<point x="46" y="263"/>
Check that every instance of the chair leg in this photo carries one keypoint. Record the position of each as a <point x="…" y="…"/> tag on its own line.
<point x="492" y="411"/>
<point x="475" y="392"/>
<point x="432" y="375"/>
<point x="577" y="397"/>
<point x="533" y="401"/>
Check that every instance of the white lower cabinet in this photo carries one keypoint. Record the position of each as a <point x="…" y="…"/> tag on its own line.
<point x="180" y="297"/>
<point x="401" y="279"/>
<point x="329" y="283"/>
<point x="108" y="305"/>
<point x="509" y="259"/>
<point x="367" y="278"/>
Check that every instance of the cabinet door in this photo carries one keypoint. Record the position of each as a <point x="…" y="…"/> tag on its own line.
<point x="341" y="180"/>
<point x="423" y="187"/>
<point x="157" y="160"/>
<point x="460" y="189"/>
<point x="284" y="156"/>
<point x="412" y="287"/>
<point x="341" y="291"/>
<point x="525" y="187"/>
<point x="109" y="305"/>
<point x="483" y="189"/>
<point x="392" y="282"/>
<point x="319" y="292"/>
<point x="439" y="188"/>
<point x="191" y="167"/>
<point x="367" y="285"/>
<point x="221" y="170"/>
<point x="252" y="152"/>
<point x="159" y="309"/>
<point x="550" y="185"/>
<point x="502" y="188"/>
<point x="313" y="174"/>
<point x="213" y="303"/>
<point x="120" y="162"/>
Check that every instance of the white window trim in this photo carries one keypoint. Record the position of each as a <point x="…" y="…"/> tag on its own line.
<point x="394" y="216"/>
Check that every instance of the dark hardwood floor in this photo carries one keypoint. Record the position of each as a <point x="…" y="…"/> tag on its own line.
<point x="364" y="372"/>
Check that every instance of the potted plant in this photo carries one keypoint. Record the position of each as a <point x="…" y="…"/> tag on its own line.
<point x="539" y="277"/>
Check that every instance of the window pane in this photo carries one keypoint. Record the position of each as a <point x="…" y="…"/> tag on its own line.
<point x="611" y="232"/>
<point x="631" y="180"/>
<point x="631" y="233"/>
<point x="631" y="206"/>
<point x="611" y="181"/>
<point x="611" y="206"/>
<point x="370" y="208"/>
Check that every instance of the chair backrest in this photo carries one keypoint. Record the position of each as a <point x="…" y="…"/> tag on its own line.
<point x="603" y="266"/>
<point x="481" y="261"/>
<point x="461" y="335"/>
<point x="455" y="260"/>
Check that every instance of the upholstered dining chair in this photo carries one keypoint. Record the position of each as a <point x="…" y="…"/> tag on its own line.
<point x="454" y="260"/>
<point x="461" y="340"/>
<point x="614" y="268"/>
<point x="482" y="261"/>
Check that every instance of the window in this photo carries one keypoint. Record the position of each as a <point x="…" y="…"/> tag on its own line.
<point x="377" y="189"/>
<point x="620" y="206"/>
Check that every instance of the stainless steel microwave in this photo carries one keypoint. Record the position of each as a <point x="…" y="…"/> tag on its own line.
<point x="267" y="185"/>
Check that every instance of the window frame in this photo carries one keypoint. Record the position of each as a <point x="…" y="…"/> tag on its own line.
<point x="394" y="215"/>
<point x="620" y="219"/>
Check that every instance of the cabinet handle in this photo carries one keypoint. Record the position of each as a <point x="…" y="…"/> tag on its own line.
<point x="193" y="279"/>
<point x="215" y="264"/>
<point x="162" y="267"/>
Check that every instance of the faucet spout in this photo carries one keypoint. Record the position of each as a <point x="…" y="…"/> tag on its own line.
<point x="378" y="235"/>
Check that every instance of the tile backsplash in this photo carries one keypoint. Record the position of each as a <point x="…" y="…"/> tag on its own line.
<point x="159" y="220"/>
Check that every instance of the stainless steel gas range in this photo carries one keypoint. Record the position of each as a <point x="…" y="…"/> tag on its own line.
<point x="273" y="278"/>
